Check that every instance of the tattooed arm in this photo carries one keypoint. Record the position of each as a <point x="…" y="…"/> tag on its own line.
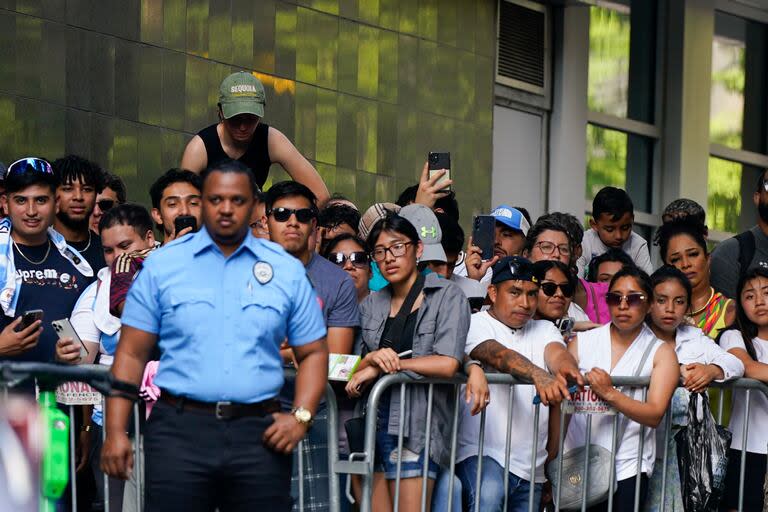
<point x="492" y="353"/>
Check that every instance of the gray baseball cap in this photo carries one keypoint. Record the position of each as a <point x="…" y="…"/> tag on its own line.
<point x="428" y="228"/>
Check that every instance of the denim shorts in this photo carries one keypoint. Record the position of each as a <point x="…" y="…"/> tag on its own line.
<point x="385" y="460"/>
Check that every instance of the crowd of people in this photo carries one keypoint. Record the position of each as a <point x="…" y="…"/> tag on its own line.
<point x="206" y="299"/>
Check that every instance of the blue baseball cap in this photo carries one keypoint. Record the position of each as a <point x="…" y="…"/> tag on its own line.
<point x="512" y="218"/>
<point x="514" y="268"/>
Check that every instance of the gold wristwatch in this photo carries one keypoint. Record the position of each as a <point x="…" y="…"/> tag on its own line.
<point x="302" y="415"/>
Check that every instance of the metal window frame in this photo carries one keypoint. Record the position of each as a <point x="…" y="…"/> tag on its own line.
<point x="519" y="84"/>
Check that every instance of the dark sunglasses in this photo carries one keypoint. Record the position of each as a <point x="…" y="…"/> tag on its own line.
<point x="105" y="204"/>
<point x="358" y="258"/>
<point x="303" y="215"/>
<point x="26" y="165"/>
<point x="549" y="288"/>
<point x="632" y="300"/>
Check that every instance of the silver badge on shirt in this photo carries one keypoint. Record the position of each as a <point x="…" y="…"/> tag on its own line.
<point x="262" y="271"/>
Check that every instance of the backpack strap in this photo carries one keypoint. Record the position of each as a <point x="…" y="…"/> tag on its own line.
<point x="746" y="251"/>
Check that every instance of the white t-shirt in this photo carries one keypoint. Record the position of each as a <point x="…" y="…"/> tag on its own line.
<point x="530" y="341"/>
<point x="757" y="437"/>
<point x="578" y="314"/>
<point x="595" y="352"/>
<point x="693" y="346"/>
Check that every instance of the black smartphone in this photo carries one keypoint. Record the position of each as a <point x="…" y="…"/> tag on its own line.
<point x="565" y="325"/>
<point x="184" y="222"/>
<point x="484" y="234"/>
<point x="437" y="161"/>
<point x="29" y="317"/>
<point x="476" y="303"/>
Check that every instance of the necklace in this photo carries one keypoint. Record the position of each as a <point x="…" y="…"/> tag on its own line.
<point x="88" y="244"/>
<point x="700" y="311"/>
<point x="47" y="252"/>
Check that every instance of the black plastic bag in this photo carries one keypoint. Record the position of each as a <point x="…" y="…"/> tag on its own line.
<point x="702" y="457"/>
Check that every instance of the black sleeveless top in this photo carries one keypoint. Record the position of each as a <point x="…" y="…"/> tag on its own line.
<point x="256" y="156"/>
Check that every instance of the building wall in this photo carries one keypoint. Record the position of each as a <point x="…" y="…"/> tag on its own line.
<point x="364" y="88"/>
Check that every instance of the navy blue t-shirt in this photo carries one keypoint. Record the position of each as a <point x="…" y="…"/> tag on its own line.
<point x="53" y="285"/>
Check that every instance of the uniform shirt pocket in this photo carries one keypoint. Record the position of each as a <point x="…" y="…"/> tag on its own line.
<point x="263" y="310"/>
<point x="190" y="310"/>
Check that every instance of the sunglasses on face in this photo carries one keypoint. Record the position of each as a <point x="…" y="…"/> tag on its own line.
<point x="105" y="204"/>
<point x="303" y="215"/>
<point x="549" y="288"/>
<point x="632" y="299"/>
<point x="357" y="258"/>
<point x="25" y="165"/>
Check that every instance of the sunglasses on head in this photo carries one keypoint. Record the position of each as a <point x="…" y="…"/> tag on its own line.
<point x="105" y="204"/>
<point x="632" y="299"/>
<point x="549" y="288"/>
<point x="303" y="215"/>
<point x="357" y="258"/>
<point x="26" y="165"/>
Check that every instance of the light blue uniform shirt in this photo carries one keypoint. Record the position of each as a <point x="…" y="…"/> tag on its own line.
<point x="219" y="327"/>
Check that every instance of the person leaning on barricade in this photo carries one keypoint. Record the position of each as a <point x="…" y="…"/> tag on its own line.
<point x="125" y="230"/>
<point x="506" y="339"/>
<point x="701" y="362"/>
<point x="417" y="324"/>
<point x="747" y="339"/>
<point x="219" y="302"/>
<point x="624" y="347"/>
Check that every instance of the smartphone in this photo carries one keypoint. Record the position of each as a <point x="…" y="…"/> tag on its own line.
<point x="29" y="317"/>
<point x="484" y="234"/>
<point x="184" y="222"/>
<point x="64" y="329"/>
<point x="476" y="303"/>
<point x="565" y="325"/>
<point x="437" y="161"/>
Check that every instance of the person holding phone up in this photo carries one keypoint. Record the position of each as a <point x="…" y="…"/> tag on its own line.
<point x="219" y="302"/>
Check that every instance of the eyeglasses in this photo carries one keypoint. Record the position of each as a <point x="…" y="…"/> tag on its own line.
<point x="396" y="250"/>
<point x="549" y="288"/>
<point x="357" y="258"/>
<point x="105" y="204"/>
<point x="31" y="164"/>
<point x="303" y="215"/>
<point x="548" y="248"/>
<point x="633" y="299"/>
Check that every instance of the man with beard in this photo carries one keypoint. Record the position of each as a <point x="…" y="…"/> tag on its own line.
<point x="732" y="258"/>
<point x="79" y="181"/>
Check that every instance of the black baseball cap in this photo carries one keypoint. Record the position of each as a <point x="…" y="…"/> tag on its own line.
<point x="513" y="268"/>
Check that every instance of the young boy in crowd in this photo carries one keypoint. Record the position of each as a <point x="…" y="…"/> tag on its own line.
<point x="612" y="218"/>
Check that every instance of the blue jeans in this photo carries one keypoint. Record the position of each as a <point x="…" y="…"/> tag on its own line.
<point x="440" y="494"/>
<point x="491" y="494"/>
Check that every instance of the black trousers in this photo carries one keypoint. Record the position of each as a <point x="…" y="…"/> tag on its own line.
<point x="624" y="497"/>
<point x="198" y="463"/>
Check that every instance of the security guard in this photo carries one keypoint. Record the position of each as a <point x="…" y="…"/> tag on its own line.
<point x="219" y="302"/>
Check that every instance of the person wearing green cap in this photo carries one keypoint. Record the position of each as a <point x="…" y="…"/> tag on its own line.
<point x="240" y="135"/>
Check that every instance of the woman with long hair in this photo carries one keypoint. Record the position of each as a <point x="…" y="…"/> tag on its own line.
<point x="747" y="339"/>
<point x="416" y="324"/>
<point x="625" y="346"/>
<point x="701" y="362"/>
<point x="683" y="244"/>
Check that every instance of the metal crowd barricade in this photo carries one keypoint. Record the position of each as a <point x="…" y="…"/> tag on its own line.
<point x="362" y="463"/>
<point x="137" y="497"/>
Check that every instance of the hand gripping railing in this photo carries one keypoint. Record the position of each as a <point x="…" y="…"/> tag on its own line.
<point x="362" y="463"/>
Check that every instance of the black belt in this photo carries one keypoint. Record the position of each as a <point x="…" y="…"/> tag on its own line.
<point x="222" y="410"/>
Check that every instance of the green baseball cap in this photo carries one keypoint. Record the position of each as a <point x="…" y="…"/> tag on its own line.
<point x="242" y="93"/>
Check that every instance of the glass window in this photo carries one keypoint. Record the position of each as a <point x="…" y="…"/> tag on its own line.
<point x="737" y="100"/>
<point x="730" y="186"/>
<point x="619" y="159"/>
<point x="622" y="59"/>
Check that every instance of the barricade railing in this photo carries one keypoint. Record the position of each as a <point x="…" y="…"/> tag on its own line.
<point x="362" y="463"/>
<point x="136" y="495"/>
